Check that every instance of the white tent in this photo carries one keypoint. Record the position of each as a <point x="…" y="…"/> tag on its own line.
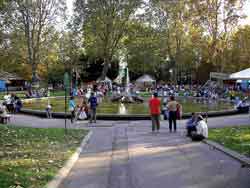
<point x="106" y="80"/>
<point x="145" y="79"/>
<point x="242" y="75"/>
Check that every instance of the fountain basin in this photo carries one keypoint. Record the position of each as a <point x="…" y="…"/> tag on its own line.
<point x="108" y="110"/>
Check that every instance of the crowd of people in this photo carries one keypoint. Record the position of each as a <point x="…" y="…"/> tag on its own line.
<point x="91" y="96"/>
<point x="86" y="109"/>
<point x="12" y="103"/>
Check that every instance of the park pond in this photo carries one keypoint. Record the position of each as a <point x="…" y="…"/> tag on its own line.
<point x="108" y="107"/>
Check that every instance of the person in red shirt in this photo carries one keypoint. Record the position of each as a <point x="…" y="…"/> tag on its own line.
<point x="155" y="111"/>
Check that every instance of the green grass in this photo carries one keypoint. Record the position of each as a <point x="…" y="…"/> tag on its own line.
<point x="237" y="138"/>
<point x="57" y="93"/>
<point x="145" y="94"/>
<point x="31" y="157"/>
<point x="20" y="94"/>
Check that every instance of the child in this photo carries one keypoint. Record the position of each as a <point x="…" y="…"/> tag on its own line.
<point x="178" y="111"/>
<point x="165" y="111"/>
<point x="72" y="107"/>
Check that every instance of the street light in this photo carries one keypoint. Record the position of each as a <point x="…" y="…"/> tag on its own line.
<point x="171" y="73"/>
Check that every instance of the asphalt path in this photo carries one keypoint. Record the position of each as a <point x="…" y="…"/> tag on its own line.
<point x="125" y="154"/>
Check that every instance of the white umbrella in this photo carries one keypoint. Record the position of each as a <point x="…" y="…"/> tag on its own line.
<point x="145" y="79"/>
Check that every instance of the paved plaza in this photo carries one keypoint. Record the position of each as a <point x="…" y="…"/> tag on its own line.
<point x="125" y="154"/>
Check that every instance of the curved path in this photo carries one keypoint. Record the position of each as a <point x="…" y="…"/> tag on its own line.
<point x="127" y="155"/>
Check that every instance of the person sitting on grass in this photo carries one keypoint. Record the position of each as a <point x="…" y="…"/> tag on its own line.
<point x="202" y="130"/>
<point x="191" y="124"/>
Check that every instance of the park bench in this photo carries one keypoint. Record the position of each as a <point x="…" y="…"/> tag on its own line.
<point x="4" y="118"/>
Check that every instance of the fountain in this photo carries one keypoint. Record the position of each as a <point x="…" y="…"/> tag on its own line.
<point x="123" y="79"/>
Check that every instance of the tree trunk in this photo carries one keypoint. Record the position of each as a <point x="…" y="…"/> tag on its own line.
<point x="34" y="78"/>
<point x="105" y="68"/>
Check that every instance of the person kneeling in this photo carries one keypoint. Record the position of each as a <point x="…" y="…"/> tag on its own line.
<point x="191" y="124"/>
<point x="202" y="130"/>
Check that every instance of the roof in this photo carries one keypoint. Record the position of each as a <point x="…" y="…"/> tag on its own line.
<point x="105" y="80"/>
<point x="9" y="76"/>
<point x="241" y="75"/>
<point x="145" y="78"/>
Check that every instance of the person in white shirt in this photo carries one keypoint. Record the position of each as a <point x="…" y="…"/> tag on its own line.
<point x="202" y="130"/>
<point x="49" y="111"/>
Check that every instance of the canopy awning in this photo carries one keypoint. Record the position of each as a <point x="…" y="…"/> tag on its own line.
<point x="241" y="75"/>
<point x="9" y="76"/>
<point x="145" y="79"/>
<point x="106" y="80"/>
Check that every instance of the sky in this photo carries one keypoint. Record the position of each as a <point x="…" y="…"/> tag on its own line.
<point x="247" y="12"/>
<point x="70" y="6"/>
<point x="242" y="22"/>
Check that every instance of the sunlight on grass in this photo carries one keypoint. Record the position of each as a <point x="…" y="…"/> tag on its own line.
<point x="237" y="138"/>
<point x="31" y="157"/>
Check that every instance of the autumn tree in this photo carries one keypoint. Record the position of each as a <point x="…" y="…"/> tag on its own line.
<point x="218" y="18"/>
<point x="33" y="19"/>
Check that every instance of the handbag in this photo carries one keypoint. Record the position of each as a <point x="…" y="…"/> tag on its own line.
<point x="82" y="115"/>
<point x="179" y="112"/>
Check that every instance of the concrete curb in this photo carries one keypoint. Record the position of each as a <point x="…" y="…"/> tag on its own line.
<point x="64" y="171"/>
<point x="135" y="117"/>
<point x="245" y="161"/>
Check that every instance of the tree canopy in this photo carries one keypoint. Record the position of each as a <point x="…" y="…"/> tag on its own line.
<point x="183" y="36"/>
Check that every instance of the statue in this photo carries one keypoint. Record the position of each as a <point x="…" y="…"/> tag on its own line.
<point x="124" y="80"/>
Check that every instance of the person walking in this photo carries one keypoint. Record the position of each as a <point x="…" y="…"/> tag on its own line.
<point x="72" y="107"/>
<point x="155" y="105"/>
<point x="172" y="108"/>
<point x="93" y="105"/>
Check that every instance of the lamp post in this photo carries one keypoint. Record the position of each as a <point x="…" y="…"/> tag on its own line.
<point x="66" y="89"/>
<point x="7" y="83"/>
<point x="171" y="73"/>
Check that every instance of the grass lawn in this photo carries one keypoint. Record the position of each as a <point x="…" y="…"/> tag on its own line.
<point x="21" y="94"/>
<point x="30" y="157"/>
<point x="237" y="138"/>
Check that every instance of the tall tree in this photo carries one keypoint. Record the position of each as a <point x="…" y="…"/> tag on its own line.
<point x="218" y="18"/>
<point x="104" y="25"/>
<point x="34" y="18"/>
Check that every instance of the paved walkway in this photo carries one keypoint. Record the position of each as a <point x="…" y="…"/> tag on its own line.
<point x="31" y="121"/>
<point x="128" y="155"/>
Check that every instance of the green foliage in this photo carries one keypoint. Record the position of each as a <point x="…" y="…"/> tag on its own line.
<point x="31" y="157"/>
<point x="156" y="35"/>
<point x="104" y="24"/>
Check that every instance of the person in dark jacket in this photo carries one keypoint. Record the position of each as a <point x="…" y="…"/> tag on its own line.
<point x="93" y="105"/>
